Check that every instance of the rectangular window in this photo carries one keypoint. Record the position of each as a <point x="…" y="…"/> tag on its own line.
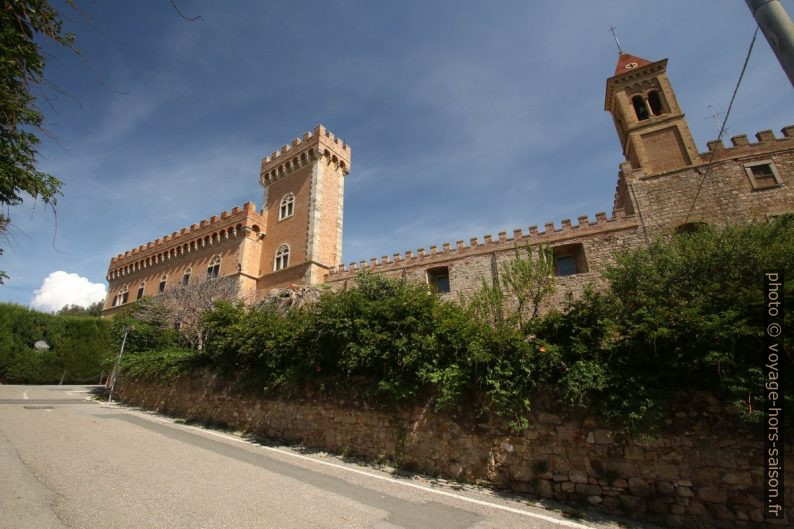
<point x="186" y="279"/>
<point x="763" y="174"/>
<point x="115" y="301"/>
<point x="162" y="286"/>
<point x="569" y="259"/>
<point x="140" y="293"/>
<point x="124" y="297"/>
<point x="438" y="279"/>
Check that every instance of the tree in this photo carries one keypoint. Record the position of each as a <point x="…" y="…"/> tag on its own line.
<point x="181" y="307"/>
<point x="22" y="62"/>
<point x="94" y="309"/>
<point x="515" y="297"/>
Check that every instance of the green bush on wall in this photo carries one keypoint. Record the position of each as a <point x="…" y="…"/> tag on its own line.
<point x="684" y="314"/>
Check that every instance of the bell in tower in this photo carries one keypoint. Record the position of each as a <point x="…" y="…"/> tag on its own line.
<point x="653" y="131"/>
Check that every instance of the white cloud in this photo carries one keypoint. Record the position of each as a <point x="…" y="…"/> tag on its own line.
<point x="62" y="288"/>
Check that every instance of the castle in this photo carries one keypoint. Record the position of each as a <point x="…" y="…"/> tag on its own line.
<point x="664" y="184"/>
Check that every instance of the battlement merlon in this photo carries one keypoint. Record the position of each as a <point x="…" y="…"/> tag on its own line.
<point x="319" y="143"/>
<point x="550" y="235"/>
<point x="245" y="216"/>
<point x="741" y="145"/>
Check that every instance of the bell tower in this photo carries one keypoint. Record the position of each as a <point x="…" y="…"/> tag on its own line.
<point x="653" y="131"/>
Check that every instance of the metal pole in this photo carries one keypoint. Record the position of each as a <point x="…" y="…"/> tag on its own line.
<point x="118" y="365"/>
<point x="778" y="30"/>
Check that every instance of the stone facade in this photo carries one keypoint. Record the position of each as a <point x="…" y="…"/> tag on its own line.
<point x="704" y="471"/>
<point x="663" y="185"/>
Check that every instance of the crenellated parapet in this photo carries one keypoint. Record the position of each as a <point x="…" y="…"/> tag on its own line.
<point x="766" y="142"/>
<point x="550" y="234"/>
<point x="318" y="144"/>
<point x="229" y="225"/>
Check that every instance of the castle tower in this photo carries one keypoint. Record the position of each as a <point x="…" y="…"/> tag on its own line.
<point x="304" y="185"/>
<point x="653" y="131"/>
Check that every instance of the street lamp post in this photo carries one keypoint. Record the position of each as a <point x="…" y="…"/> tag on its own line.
<point x="118" y="364"/>
<point x="778" y="30"/>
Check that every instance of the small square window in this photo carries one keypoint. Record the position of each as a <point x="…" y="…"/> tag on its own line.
<point x="438" y="279"/>
<point x="763" y="175"/>
<point x="569" y="259"/>
<point x="565" y="265"/>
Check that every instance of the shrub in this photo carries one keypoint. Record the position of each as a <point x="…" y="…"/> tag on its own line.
<point x="79" y="346"/>
<point x="686" y="313"/>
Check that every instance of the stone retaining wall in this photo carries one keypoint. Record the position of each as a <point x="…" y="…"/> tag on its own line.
<point x="704" y="471"/>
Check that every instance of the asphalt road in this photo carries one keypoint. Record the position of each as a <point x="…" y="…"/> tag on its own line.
<point x="69" y="461"/>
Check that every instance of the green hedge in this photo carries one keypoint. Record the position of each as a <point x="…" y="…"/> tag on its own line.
<point x="78" y="345"/>
<point x="685" y="314"/>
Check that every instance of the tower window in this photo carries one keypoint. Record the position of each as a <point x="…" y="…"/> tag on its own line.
<point x="287" y="206"/>
<point x="763" y="174"/>
<point x="282" y="258"/>
<point x="124" y="294"/>
<point x="640" y="108"/>
<point x="186" y="276"/>
<point x="655" y="102"/>
<point x="438" y="279"/>
<point x="163" y="281"/>
<point x="141" y="286"/>
<point x="569" y="259"/>
<point x="214" y="268"/>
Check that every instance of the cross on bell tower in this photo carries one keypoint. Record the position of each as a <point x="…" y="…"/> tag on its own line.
<point x="652" y="129"/>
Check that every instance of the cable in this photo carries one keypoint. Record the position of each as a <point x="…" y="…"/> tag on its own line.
<point x="722" y="129"/>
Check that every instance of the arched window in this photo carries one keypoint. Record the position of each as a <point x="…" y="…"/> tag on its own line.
<point x="287" y="206"/>
<point x="163" y="281"/>
<point x="282" y="258"/>
<point x="125" y="293"/>
<point x="141" y="287"/>
<point x="186" y="276"/>
<point x="214" y="268"/>
<point x="639" y="108"/>
<point x="655" y="102"/>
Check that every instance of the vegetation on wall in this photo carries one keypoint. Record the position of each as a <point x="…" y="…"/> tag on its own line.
<point x="685" y="314"/>
<point x="79" y="347"/>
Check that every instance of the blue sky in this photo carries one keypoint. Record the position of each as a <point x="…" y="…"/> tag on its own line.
<point x="464" y="117"/>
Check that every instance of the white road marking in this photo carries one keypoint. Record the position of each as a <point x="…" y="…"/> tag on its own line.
<point x="564" y="523"/>
<point x="25" y="395"/>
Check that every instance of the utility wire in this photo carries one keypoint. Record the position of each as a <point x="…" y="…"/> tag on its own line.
<point x="722" y="128"/>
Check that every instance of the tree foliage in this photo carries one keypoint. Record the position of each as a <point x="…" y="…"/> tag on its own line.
<point x="94" y="309"/>
<point x="515" y="296"/>
<point x="173" y="317"/>
<point x="684" y="314"/>
<point x="23" y="25"/>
